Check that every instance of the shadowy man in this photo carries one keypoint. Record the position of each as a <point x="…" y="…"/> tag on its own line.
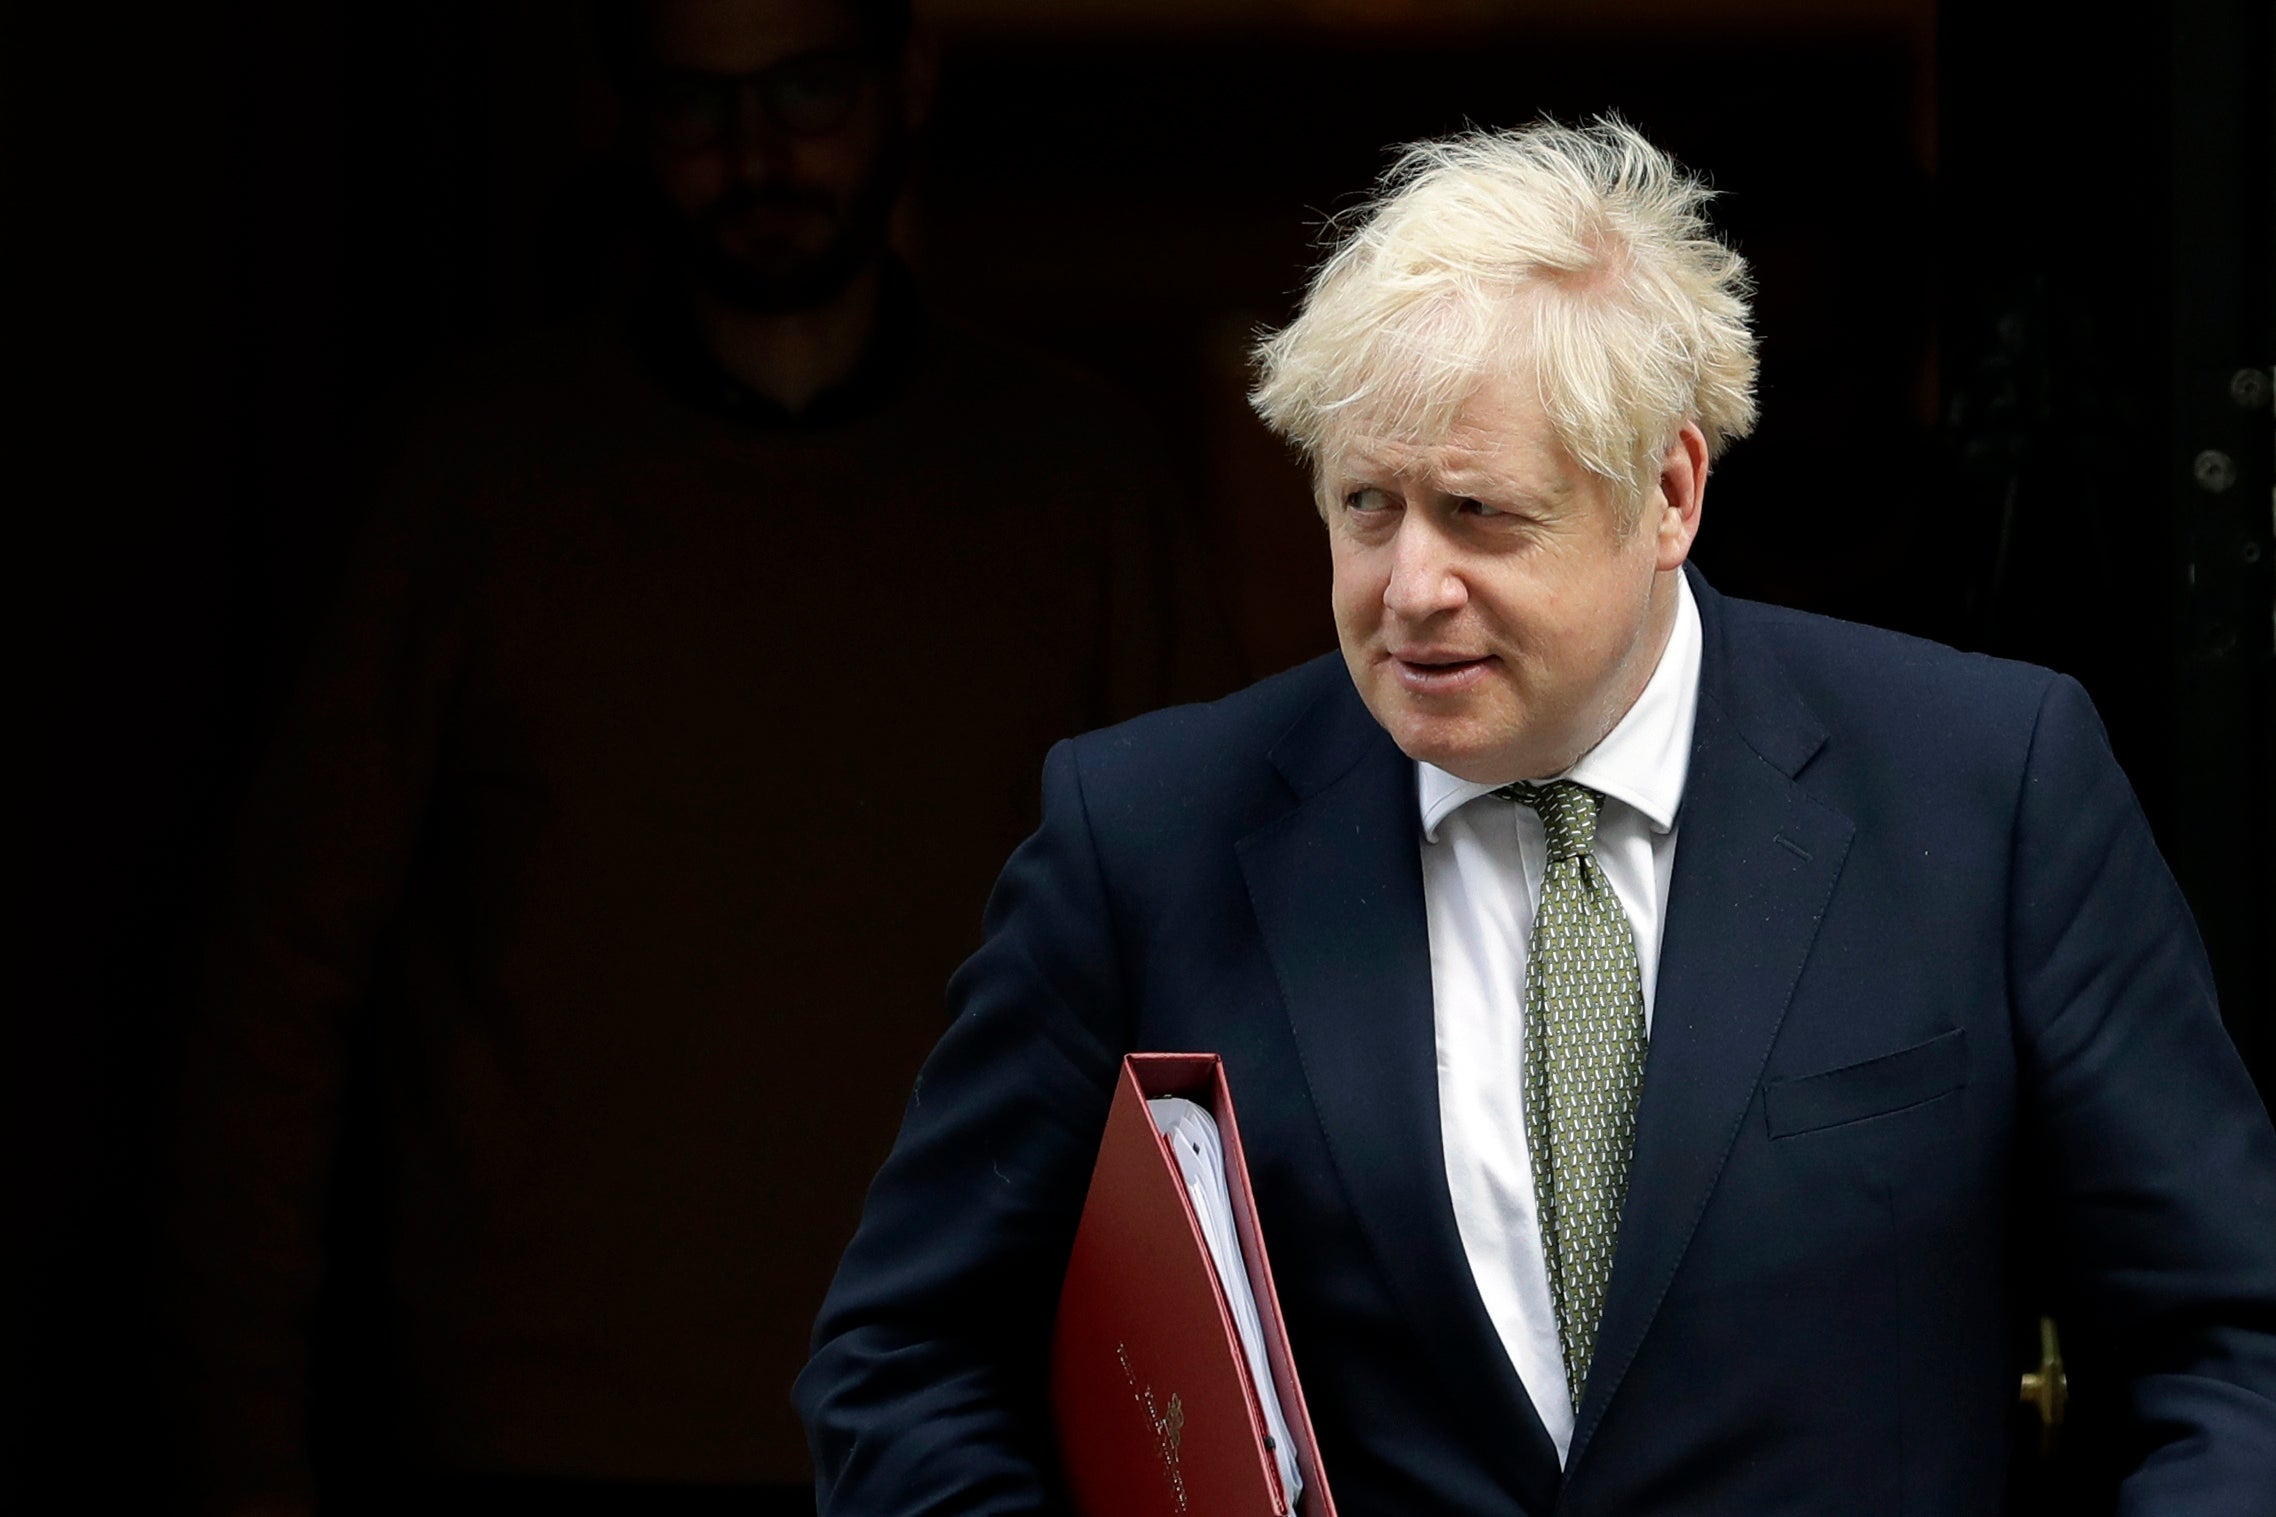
<point x="691" y="679"/>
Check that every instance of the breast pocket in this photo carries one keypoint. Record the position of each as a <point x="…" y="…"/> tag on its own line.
<point x="1874" y="1088"/>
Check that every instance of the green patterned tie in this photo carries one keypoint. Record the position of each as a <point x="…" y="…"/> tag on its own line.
<point x="1584" y="1063"/>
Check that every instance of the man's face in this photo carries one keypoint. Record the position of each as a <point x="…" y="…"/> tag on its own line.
<point x="776" y="132"/>
<point x="1496" y="619"/>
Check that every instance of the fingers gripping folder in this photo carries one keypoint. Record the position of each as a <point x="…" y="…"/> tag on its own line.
<point x="1171" y="1381"/>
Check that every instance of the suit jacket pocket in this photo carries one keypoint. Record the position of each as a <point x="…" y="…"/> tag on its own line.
<point x="1874" y="1088"/>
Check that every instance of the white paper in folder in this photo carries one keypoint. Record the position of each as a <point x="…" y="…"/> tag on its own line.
<point x="1201" y="1159"/>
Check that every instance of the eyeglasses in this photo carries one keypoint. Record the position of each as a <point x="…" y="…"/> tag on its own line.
<point x="812" y="95"/>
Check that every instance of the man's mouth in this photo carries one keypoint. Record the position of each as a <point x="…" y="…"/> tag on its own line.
<point x="1430" y="671"/>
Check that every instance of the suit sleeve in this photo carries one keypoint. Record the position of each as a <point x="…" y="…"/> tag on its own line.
<point x="926" y="1391"/>
<point x="2151" y="1146"/>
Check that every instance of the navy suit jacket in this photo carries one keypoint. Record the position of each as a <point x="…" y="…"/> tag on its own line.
<point x="1922" y="964"/>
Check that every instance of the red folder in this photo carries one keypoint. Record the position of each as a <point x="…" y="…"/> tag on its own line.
<point x="1157" y="1414"/>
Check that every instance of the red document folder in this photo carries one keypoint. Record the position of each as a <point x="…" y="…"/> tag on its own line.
<point x="1156" y="1411"/>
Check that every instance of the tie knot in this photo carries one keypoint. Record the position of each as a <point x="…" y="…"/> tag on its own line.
<point x="1568" y="813"/>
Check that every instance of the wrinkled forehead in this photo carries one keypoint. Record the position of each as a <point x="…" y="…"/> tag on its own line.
<point x="1406" y="441"/>
<point x="1492" y="427"/>
<point x="742" y="36"/>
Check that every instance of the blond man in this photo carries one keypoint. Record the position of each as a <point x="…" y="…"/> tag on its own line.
<point x="1649" y="1011"/>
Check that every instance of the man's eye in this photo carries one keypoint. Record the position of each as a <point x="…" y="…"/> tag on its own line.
<point x="1369" y="499"/>
<point x="1468" y="506"/>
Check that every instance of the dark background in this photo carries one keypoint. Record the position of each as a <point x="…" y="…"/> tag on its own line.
<point x="2011" y="269"/>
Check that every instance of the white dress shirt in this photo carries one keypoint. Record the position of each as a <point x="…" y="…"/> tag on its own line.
<point x="1482" y="862"/>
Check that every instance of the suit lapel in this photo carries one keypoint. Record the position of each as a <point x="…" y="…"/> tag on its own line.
<point x="1337" y="888"/>
<point x="1755" y="864"/>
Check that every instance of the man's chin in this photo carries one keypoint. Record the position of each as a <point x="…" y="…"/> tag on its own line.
<point x="778" y="285"/>
<point x="1468" y="745"/>
<point x="1462" y="763"/>
<point x="1435" y="739"/>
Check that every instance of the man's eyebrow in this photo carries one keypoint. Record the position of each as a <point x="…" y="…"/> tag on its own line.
<point x="1482" y="483"/>
<point x="1383" y="459"/>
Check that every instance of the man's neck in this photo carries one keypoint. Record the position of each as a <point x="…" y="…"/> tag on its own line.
<point x="791" y="357"/>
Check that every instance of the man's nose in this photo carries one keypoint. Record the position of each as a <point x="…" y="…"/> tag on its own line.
<point x="759" y="149"/>
<point x="1426" y="577"/>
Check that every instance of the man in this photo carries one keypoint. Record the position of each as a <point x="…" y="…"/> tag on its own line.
<point x="1647" y="1010"/>
<point x="682" y="702"/>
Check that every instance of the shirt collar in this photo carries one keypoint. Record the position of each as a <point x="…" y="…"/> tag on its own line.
<point x="1641" y="762"/>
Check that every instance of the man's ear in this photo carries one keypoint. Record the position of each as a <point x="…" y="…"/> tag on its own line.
<point x="1682" y="489"/>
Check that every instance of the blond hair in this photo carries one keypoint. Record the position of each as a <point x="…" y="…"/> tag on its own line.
<point x="1581" y="253"/>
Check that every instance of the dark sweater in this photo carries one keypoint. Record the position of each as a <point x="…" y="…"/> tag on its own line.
<point x="646" y="790"/>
